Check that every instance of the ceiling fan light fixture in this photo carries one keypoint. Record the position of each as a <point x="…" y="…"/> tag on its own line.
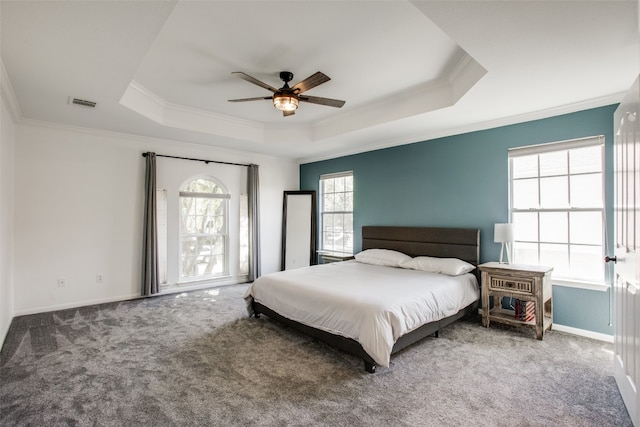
<point x="285" y="102"/>
<point x="286" y="98"/>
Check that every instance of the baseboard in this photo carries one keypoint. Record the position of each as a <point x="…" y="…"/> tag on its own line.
<point x="582" y="332"/>
<point x="164" y="291"/>
<point x="74" y="305"/>
<point x="575" y="331"/>
<point x="3" y="333"/>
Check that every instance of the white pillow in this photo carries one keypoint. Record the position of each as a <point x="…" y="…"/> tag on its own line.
<point x="449" y="266"/>
<point x="384" y="257"/>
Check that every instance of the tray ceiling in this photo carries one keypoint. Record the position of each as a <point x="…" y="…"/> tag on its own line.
<point x="409" y="71"/>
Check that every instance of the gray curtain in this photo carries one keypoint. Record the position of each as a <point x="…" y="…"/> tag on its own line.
<point x="150" y="246"/>
<point x="253" y="187"/>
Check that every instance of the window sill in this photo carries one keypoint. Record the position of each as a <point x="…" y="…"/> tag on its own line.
<point x="334" y="253"/>
<point x="591" y="286"/>
<point x="203" y="283"/>
<point x="329" y="256"/>
<point x="208" y="279"/>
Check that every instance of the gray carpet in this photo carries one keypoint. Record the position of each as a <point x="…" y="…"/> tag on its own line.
<point x="197" y="359"/>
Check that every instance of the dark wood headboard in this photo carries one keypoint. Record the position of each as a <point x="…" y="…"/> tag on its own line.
<point x="461" y="243"/>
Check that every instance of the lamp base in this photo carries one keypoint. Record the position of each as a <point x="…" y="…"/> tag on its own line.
<point x="502" y="251"/>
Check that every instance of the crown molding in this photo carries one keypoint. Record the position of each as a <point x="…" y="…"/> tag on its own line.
<point x="460" y="66"/>
<point x="160" y="102"/>
<point x="464" y="75"/>
<point x="428" y="96"/>
<point x="9" y="95"/>
<point x="146" y="103"/>
<point x="475" y="127"/>
<point x="149" y="140"/>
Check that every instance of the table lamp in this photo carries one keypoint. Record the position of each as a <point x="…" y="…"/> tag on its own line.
<point x="503" y="233"/>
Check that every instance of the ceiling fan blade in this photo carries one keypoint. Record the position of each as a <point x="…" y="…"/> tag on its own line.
<point x="288" y="113"/>
<point x="322" y="101"/>
<point x="249" y="99"/>
<point x="310" y="82"/>
<point x="255" y="81"/>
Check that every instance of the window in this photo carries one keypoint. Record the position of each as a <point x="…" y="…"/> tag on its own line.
<point x="336" y="212"/>
<point x="557" y="207"/>
<point x="204" y="230"/>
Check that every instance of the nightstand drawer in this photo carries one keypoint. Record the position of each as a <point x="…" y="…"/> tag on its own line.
<point x="522" y="286"/>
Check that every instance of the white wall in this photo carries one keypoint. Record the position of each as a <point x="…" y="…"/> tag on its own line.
<point x="7" y="143"/>
<point x="78" y="212"/>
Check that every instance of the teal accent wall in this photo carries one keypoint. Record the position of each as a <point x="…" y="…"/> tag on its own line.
<point x="462" y="181"/>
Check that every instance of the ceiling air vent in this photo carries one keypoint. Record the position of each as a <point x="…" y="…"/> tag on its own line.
<point x="83" y="102"/>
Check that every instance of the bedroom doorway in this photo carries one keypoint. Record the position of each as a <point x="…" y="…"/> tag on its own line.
<point x="627" y="241"/>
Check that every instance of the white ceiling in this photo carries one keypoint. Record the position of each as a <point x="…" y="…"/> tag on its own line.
<point x="408" y="71"/>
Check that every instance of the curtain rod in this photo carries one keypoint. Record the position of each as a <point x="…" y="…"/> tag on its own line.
<point x="200" y="160"/>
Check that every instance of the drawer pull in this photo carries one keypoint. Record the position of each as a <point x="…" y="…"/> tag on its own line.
<point x="520" y="286"/>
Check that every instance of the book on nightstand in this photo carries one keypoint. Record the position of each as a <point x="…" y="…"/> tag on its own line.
<point x="525" y="310"/>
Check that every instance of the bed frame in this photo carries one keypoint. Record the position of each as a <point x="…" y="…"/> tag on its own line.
<point x="461" y="243"/>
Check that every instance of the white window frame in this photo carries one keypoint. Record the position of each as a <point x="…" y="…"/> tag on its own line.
<point x="161" y="230"/>
<point x="190" y="279"/>
<point x="549" y="148"/>
<point x="323" y="213"/>
<point x="243" y="238"/>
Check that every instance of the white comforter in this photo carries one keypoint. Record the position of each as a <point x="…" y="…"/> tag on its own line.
<point x="371" y="304"/>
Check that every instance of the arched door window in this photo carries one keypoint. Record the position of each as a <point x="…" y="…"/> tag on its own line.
<point x="204" y="229"/>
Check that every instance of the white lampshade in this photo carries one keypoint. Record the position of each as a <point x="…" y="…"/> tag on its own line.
<point x="503" y="233"/>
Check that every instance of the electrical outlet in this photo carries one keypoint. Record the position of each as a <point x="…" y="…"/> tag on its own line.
<point x="98" y="278"/>
<point x="62" y="282"/>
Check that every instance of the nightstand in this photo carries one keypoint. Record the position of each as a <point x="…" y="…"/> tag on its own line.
<point x="523" y="282"/>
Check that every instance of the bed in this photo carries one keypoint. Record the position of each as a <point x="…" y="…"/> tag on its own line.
<point x="373" y="311"/>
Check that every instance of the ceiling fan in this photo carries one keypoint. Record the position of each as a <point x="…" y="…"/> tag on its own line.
<point x="286" y="98"/>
